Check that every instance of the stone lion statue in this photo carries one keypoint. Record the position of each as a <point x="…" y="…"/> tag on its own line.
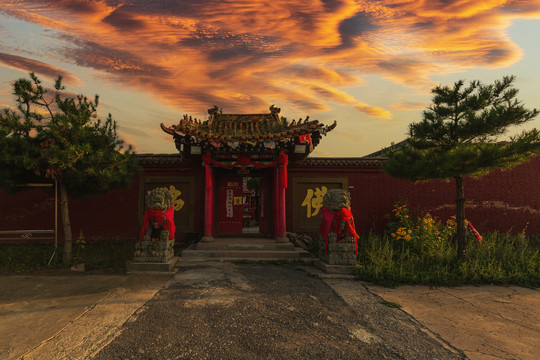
<point x="337" y="229"/>
<point x="336" y="199"/>
<point x="158" y="230"/>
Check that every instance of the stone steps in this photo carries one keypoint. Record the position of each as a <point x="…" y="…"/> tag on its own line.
<point x="245" y="246"/>
<point x="257" y="254"/>
<point x="243" y="249"/>
<point x="190" y="262"/>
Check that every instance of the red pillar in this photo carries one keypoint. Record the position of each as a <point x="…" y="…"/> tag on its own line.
<point x="208" y="205"/>
<point x="280" y="195"/>
<point x="276" y="217"/>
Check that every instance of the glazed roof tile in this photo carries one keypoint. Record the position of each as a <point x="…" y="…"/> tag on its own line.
<point x="222" y="128"/>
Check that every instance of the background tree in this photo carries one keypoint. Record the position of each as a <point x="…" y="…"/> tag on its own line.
<point x="458" y="136"/>
<point x="60" y="138"/>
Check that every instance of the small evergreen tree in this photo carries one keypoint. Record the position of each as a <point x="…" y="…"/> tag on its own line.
<point x="458" y="136"/>
<point x="60" y="138"/>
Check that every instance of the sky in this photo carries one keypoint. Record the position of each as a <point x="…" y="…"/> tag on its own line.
<point x="369" y="65"/>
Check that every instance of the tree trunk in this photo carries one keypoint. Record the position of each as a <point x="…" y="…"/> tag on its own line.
<point x="460" y="219"/>
<point x="64" y="207"/>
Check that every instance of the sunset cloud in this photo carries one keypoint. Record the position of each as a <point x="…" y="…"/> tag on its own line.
<point x="373" y="110"/>
<point x="243" y="56"/>
<point x="410" y="106"/>
<point x="28" y="65"/>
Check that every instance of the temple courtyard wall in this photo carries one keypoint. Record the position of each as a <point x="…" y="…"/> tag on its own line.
<point x="501" y="201"/>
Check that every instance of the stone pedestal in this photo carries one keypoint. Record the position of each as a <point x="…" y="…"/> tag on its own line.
<point x="335" y="271"/>
<point x="339" y="253"/>
<point x="154" y="251"/>
<point x="153" y="255"/>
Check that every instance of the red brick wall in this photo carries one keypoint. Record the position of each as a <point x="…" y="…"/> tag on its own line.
<point x="502" y="201"/>
<point x="112" y="216"/>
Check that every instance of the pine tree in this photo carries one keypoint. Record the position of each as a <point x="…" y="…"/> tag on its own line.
<point x="60" y="138"/>
<point x="459" y="135"/>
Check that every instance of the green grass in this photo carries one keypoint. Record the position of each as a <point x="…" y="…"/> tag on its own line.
<point x="499" y="259"/>
<point x="390" y="304"/>
<point x="22" y="258"/>
<point x="104" y="256"/>
<point x="107" y="256"/>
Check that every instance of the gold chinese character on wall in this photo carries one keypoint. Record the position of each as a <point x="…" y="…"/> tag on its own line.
<point x="313" y="200"/>
<point x="178" y="203"/>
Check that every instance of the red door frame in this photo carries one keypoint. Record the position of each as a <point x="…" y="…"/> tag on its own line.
<point x="229" y="209"/>
<point x="266" y="206"/>
<point x="265" y="211"/>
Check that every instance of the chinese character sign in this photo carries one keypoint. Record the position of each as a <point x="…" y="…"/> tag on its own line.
<point x="178" y="203"/>
<point x="313" y="200"/>
<point x="229" y="201"/>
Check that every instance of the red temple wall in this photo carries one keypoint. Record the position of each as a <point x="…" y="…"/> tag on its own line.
<point x="116" y="215"/>
<point x="502" y="200"/>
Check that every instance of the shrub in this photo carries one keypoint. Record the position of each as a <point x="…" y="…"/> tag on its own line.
<point x="420" y="250"/>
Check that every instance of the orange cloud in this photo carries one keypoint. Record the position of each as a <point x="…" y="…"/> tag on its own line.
<point x="410" y="106"/>
<point x="245" y="55"/>
<point x="373" y="110"/>
<point x="40" y="68"/>
<point x="342" y="97"/>
<point x="7" y="107"/>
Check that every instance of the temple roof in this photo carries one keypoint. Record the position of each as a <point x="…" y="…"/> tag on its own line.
<point x="229" y="131"/>
<point x="223" y="128"/>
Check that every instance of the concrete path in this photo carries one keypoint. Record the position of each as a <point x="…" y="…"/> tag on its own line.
<point x="486" y="322"/>
<point x="82" y="316"/>
<point x="68" y="316"/>
<point x="227" y="311"/>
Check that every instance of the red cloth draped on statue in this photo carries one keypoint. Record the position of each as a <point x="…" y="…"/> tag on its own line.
<point x="326" y="225"/>
<point x="346" y="214"/>
<point x="157" y="215"/>
<point x="328" y="217"/>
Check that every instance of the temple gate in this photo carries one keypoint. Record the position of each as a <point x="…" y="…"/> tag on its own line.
<point x="245" y="157"/>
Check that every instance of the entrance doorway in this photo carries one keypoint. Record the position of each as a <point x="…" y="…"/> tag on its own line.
<point x="251" y="205"/>
<point x="242" y="206"/>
